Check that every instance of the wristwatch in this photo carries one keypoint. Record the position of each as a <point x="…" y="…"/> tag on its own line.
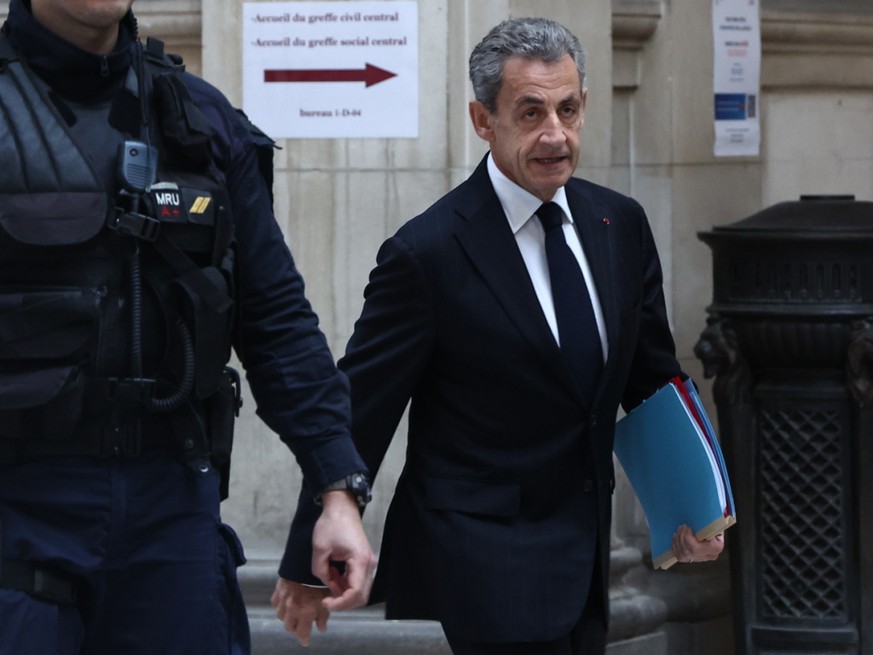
<point x="357" y="483"/>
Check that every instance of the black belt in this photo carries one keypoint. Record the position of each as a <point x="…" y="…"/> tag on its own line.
<point x="101" y="441"/>
<point x="39" y="581"/>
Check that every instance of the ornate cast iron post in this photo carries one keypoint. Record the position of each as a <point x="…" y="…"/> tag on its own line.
<point x="789" y="341"/>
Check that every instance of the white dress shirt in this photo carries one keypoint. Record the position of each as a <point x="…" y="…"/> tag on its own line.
<point x="519" y="206"/>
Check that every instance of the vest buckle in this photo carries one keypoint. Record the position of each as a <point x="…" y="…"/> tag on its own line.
<point x="134" y="224"/>
<point x="131" y="390"/>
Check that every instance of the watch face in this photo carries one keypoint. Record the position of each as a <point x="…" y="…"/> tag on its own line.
<point x="360" y="485"/>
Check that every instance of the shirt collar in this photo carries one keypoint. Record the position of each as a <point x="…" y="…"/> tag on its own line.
<point x="519" y="204"/>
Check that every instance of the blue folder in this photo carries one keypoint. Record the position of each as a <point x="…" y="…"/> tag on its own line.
<point x="670" y="453"/>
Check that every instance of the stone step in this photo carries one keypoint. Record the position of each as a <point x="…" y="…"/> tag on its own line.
<point x="637" y="622"/>
<point x="366" y="632"/>
<point x="362" y="632"/>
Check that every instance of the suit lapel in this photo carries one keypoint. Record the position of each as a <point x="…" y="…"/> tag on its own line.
<point x="490" y="244"/>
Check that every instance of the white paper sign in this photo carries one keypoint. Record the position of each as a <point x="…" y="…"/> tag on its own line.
<point x="331" y="69"/>
<point x="736" y="31"/>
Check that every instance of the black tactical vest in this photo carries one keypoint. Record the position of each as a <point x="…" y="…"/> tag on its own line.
<point x="115" y="306"/>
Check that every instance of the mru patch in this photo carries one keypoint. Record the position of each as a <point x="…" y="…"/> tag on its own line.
<point x="174" y="204"/>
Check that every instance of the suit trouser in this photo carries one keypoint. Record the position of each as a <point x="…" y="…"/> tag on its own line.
<point x="588" y="636"/>
<point x="154" y="568"/>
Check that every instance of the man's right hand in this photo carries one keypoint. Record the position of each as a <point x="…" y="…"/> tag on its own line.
<point x="338" y="536"/>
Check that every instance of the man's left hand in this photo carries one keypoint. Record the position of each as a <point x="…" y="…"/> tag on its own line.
<point x="688" y="548"/>
<point x="299" y="606"/>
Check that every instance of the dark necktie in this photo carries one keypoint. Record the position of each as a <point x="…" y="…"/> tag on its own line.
<point x="577" y="327"/>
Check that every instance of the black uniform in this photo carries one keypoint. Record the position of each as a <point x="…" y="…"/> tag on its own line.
<point x="137" y="243"/>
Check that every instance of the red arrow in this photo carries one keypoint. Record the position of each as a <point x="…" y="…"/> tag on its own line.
<point x="370" y="75"/>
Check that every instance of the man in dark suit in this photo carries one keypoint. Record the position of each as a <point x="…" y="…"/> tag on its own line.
<point x="499" y="526"/>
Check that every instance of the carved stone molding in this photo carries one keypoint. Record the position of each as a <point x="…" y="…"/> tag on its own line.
<point x="826" y="49"/>
<point x="633" y="24"/>
<point x="804" y="32"/>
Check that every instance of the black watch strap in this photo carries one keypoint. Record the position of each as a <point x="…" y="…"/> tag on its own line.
<point x="358" y="483"/>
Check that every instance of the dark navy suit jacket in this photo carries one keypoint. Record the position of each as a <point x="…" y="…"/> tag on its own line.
<point x="502" y="513"/>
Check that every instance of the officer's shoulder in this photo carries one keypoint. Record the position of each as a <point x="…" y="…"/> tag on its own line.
<point x="207" y="95"/>
<point x="208" y="98"/>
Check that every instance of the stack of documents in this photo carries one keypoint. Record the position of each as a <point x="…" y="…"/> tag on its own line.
<point x="669" y="451"/>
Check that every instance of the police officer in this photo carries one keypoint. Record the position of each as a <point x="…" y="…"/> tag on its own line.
<point x="137" y="245"/>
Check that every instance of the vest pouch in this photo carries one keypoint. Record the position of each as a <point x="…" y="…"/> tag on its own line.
<point x="46" y="324"/>
<point x="189" y="217"/>
<point x="53" y="218"/>
<point x="208" y="310"/>
<point x="42" y="404"/>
